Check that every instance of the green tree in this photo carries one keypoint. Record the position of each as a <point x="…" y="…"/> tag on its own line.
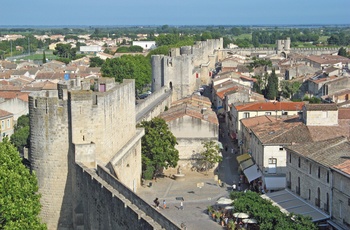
<point x="342" y="52"/>
<point x="272" y="86"/>
<point x="158" y="147"/>
<point x="135" y="67"/>
<point x="96" y="62"/>
<point x="210" y="154"/>
<point x="65" y="51"/>
<point x="44" y="57"/>
<point x="20" y="137"/>
<point x="288" y="89"/>
<point x="19" y="198"/>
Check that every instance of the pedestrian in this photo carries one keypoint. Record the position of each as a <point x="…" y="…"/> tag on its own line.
<point x="164" y="204"/>
<point x="181" y="205"/>
<point x="231" y="150"/>
<point x="239" y="186"/>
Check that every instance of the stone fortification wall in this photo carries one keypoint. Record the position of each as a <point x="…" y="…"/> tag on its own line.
<point x="49" y="154"/>
<point x="71" y="124"/>
<point x="104" y="118"/>
<point x="268" y="51"/>
<point x="154" y="105"/>
<point x="186" y="69"/>
<point x="106" y="203"/>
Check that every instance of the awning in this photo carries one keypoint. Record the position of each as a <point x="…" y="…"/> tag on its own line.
<point x="246" y="164"/>
<point x="243" y="157"/>
<point x="252" y="173"/>
<point x="291" y="203"/>
<point x="275" y="183"/>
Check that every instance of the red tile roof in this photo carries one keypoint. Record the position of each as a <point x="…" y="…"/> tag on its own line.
<point x="4" y="113"/>
<point x="344" y="167"/>
<point x="344" y="113"/>
<point x="10" y="95"/>
<point x="271" y="106"/>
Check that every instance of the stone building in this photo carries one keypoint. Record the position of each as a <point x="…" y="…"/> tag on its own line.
<point x="192" y="122"/>
<point x="75" y="127"/>
<point x="316" y="173"/>
<point x="6" y="124"/>
<point x="186" y="68"/>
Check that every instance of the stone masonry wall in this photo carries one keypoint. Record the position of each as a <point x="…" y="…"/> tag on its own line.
<point x="106" y="203"/>
<point x="308" y="180"/>
<point x="49" y="156"/>
<point x="104" y="118"/>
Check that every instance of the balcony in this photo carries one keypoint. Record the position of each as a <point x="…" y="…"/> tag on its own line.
<point x="297" y="190"/>
<point x="317" y="202"/>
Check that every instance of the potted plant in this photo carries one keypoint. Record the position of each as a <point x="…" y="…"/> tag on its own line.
<point x="231" y="225"/>
<point x="217" y="216"/>
<point x="210" y="210"/>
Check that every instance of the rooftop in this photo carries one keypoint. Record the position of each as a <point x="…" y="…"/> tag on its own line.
<point x="270" y="106"/>
<point x="321" y="107"/>
<point x="329" y="153"/>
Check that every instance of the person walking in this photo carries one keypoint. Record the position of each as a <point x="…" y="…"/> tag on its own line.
<point x="181" y="205"/>
<point x="164" y="204"/>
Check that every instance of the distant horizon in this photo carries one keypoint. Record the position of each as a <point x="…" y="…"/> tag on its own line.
<point x="175" y="25"/>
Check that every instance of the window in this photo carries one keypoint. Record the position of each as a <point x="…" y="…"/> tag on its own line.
<point x="327" y="176"/>
<point x="281" y="148"/>
<point x="299" y="162"/>
<point x="246" y="115"/>
<point x="284" y="113"/>
<point x="310" y="168"/>
<point x="267" y="113"/>
<point x="319" y="172"/>
<point x="290" y="158"/>
<point x="309" y="194"/>
<point x="272" y="165"/>
<point x="8" y="123"/>
<point x="2" y="125"/>
<point x="324" y="114"/>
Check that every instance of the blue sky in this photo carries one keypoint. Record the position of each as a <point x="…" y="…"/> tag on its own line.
<point x="174" y="12"/>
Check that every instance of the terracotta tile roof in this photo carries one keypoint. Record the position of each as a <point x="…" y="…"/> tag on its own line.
<point x="181" y="110"/>
<point x="270" y="106"/>
<point x="282" y="131"/>
<point x="4" y="114"/>
<point x="331" y="152"/>
<point x="248" y="78"/>
<point x="195" y="100"/>
<point x="5" y="75"/>
<point x="344" y="113"/>
<point x="222" y="93"/>
<point x="344" y="167"/>
<point x="324" y="79"/>
<point x="321" y="107"/>
<point x="10" y="88"/>
<point x="320" y="133"/>
<point x="11" y="95"/>
<point x="253" y="121"/>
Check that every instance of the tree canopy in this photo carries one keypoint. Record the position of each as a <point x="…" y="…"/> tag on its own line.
<point x="210" y="154"/>
<point x="158" y="147"/>
<point x="272" y="86"/>
<point x="19" y="200"/>
<point x="268" y="216"/>
<point x="20" y="137"/>
<point x="135" y="67"/>
<point x="96" y="62"/>
<point x="288" y="89"/>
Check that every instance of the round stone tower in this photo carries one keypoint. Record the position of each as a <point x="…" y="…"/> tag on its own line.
<point x="49" y="148"/>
